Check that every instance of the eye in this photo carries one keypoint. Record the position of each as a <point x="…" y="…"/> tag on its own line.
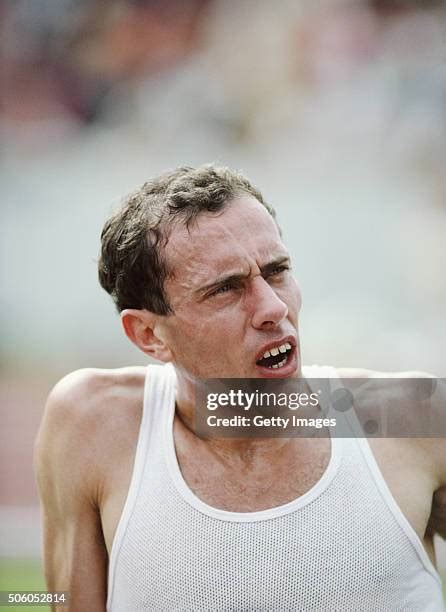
<point x="278" y="270"/>
<point x="222" y="289"/>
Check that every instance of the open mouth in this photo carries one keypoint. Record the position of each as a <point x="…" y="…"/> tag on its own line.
<point x="276" y="357"/>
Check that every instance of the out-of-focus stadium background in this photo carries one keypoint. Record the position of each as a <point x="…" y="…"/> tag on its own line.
<point x="335" y="109"/>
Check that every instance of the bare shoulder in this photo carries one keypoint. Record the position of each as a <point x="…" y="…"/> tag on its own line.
<point x="86" y="414"/>
<point x="396" y="390"/>
<point x="411" y="403"/>
<point x="401" y="386"/>
<point x="84" y="396"/>
<point x="347" y="372"/>
<point x="87" y="407"/>
<point x="94" y="384"/>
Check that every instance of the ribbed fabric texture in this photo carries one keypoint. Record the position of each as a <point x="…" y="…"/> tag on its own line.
<point x="342" y="551"/>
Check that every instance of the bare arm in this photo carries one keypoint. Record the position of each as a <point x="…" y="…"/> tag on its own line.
<point x="438" y="516"/>
<point x="66" y="462"/>
<point x="433" y="448"/>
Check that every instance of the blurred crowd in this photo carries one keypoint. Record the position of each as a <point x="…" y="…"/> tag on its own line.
<point x="246" y="68"/>
<point x="64" y="58"/>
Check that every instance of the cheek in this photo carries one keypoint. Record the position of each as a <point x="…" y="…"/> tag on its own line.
<point x="294" y="298"/>
<point x="191" y="333"/>
<point x="299" y="298"/>
<point x="179" y="337"/>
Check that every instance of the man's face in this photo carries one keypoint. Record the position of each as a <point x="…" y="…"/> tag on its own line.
<point x="233" y="296"/>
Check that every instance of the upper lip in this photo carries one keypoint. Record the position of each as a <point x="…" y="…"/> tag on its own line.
<point x="274" y="343"/>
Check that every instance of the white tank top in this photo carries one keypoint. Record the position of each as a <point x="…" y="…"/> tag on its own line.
<point x="342" y="546"/>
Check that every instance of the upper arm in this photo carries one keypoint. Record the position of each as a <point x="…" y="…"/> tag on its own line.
<point x="438" y="450"/>
<point x="428" y="409"/>
<point x="69" y="484"/>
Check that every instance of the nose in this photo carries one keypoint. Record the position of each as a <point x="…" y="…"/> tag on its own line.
<point x="268" y="308"/>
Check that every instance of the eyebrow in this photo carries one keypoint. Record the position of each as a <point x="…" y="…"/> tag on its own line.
<point x="231" y="278"/>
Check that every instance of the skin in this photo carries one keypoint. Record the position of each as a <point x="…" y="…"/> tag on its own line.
<point x="215" y="331"/>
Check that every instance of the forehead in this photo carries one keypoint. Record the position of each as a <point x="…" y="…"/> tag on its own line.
<point x="240" y="236"/>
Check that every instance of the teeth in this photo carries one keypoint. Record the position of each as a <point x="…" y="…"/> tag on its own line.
<point x="283" y="348"/>
<point x="280" y="364"/>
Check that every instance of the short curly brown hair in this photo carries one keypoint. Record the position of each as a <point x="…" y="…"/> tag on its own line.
<point x="132" y="267"/>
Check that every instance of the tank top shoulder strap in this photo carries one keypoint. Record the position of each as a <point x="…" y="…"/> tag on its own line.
<point x="159" y="393"/>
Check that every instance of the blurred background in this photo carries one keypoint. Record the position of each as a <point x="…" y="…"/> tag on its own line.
<point x="335" y="109"/>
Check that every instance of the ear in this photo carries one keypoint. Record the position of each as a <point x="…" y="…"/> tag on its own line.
<point x="139" y="327"/>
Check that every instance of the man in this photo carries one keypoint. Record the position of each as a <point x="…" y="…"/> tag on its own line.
<point x="141" y="510"/>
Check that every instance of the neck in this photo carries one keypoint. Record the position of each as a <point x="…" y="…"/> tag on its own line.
<point x="185" y="411"/>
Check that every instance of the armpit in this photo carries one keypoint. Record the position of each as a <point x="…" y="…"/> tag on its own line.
<point x="437" y="521"/>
